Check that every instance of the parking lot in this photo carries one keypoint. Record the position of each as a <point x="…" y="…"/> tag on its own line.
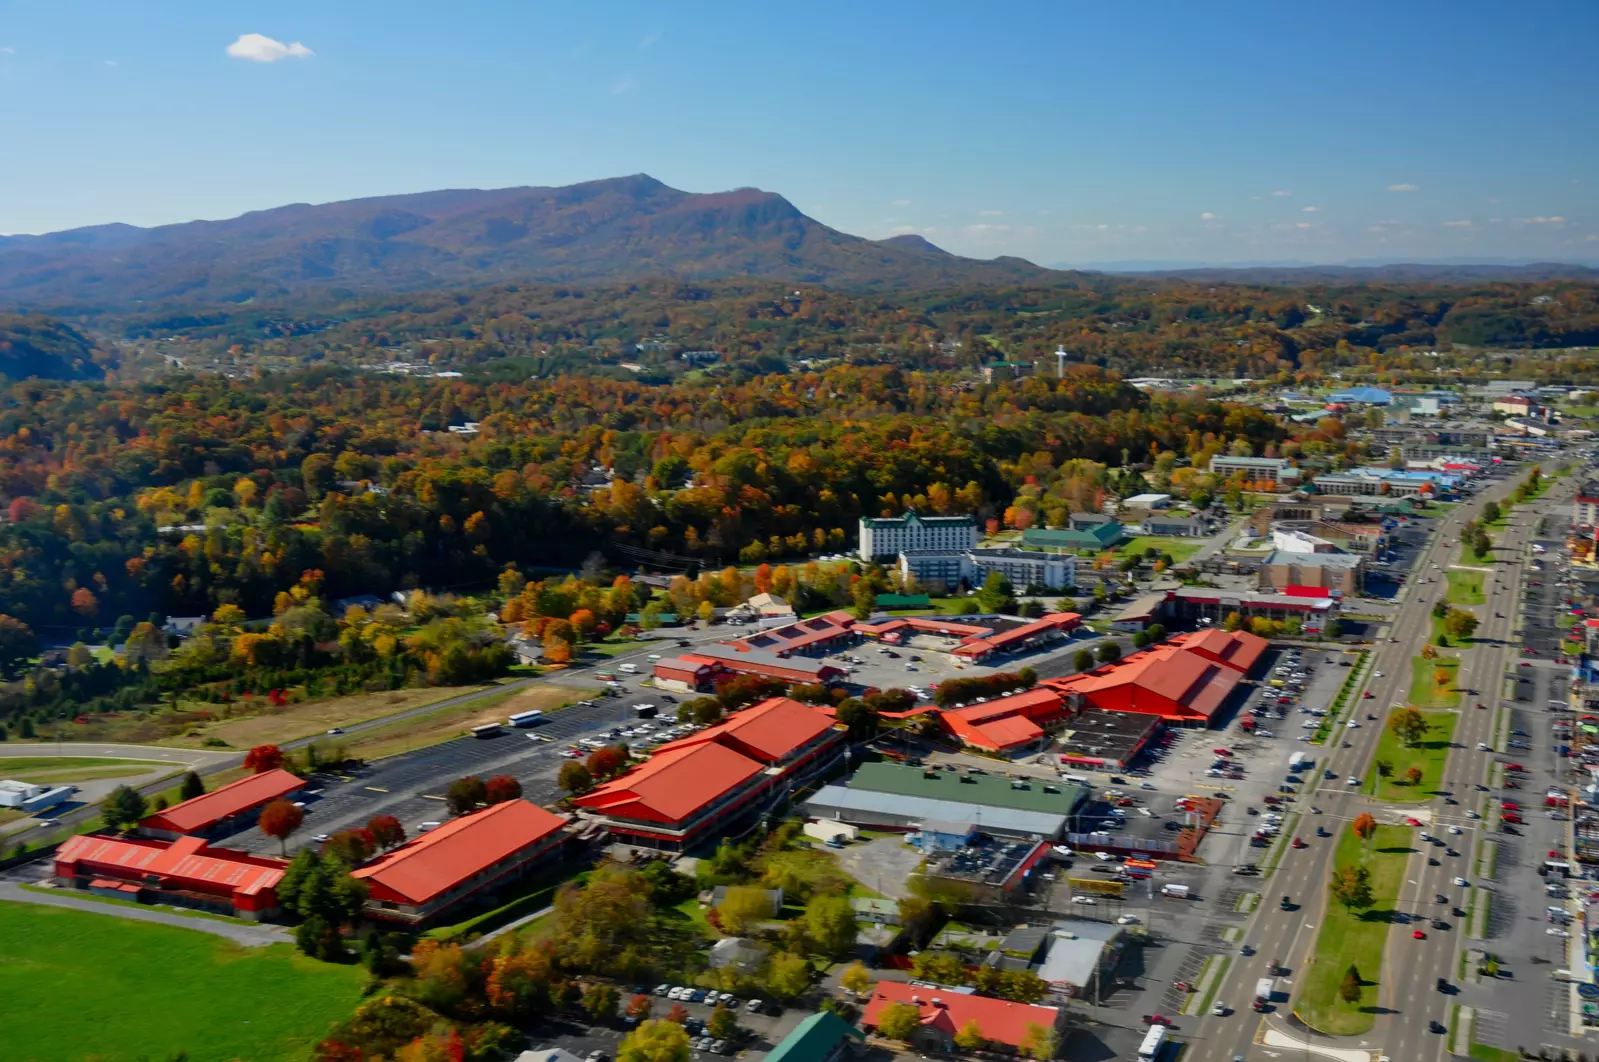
<point x="759" y="1032"/>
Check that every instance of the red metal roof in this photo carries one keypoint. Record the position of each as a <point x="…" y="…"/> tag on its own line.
<point x="670" y="787"/>
<point x="1005" y="722"/>
<point x="1239" y="650"/>
<point x="1063" y="621"/>
<point x="1189" y="680"/>
<point x="1001" y="1020"/>
<point x="770" y="730"/>
<point x="186" y="860"/>
<point x="198" y="813"/>
<point x="462" y="848"/>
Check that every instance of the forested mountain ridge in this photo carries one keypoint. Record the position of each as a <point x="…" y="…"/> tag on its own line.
<point x="43" y="347"/>
<point x="618" y="229"/>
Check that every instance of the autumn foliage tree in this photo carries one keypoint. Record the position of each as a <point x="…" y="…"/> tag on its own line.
<point x="280" y="819"/>
<point x="607" y="762"/>
<point x="466" y="794"/>
<point x="1408" y="724"/>
<point x="386" y="831"/>
<point x="1364" y="826"/>
<point x="1351" y="886"/>
<point x="500" y="788"/>
<point x="263" y="758"/>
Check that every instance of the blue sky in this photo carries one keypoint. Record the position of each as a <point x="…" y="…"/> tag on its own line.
<point x="1062" y="132"/>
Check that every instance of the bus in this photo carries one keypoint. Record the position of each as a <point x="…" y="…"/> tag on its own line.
<point x="487" y="730"/>
<point x="1154" y="1040"/>
<point x="530" y="718"/>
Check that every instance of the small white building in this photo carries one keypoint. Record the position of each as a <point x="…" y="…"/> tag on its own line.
<point x="1147" y="501"/>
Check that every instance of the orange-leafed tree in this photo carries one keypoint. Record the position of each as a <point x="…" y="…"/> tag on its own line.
<point x="280" y="819"/>
<point x="263" y="758"/>
<point x="500" y="788"/>
<point x="1364" y="826"/>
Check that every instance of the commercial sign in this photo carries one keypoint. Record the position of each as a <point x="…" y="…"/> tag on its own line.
<point x="1097" y="886"/>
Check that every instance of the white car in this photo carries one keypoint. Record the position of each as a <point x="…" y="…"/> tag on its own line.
<point x="1062" y="850"/>
<point x="1454" y="829"/>
<point x="1086" y="901"/>
<point x="1352" y="780"/>
<point x="1463" y="883"/>
<point x="1376" y="674"/>
<point x="1352" y="725"/>
<point x="1127" y="920"/>
<point x="1482" y="746"/>
<point x="1555" y="931"/>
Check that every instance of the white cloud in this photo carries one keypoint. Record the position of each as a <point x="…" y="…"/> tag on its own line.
<point x="1376" y="228"/>
<point x="1101" y="228"/>
<point x="1281" y="192"/>
<point x="1404" y="187"/>
<point x="1301" y="224"/>
<point x="987" y="228"/>
<point x="1311" y="209"/>
<point x="624" y="85"/>
<point x="650" y="41"/>
<point x="4" y="50"/>
<point x="259" y="49"/>
<point x="1554" y="220"/>
<point x="989" y="213"/>
<point x="110" y="62"/>
<point x="1464" y="224"/>
<point x="1207" y="216"/>
<point x="900" y="203"/>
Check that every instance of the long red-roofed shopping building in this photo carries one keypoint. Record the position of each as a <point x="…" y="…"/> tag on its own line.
<point x="1007" y="724"/>
<point x="693" y="788"/>
<point x="944" y="1012"/>
<point x="185" y="873"/>
<point x="435" y="872"/>
<point x="1181" y="681"/>
<point x="227" y="809"/>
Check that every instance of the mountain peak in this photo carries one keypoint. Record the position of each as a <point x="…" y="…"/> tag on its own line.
<point x="615" y="229"/>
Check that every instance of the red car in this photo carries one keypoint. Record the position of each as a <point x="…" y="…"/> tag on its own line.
<point x="1156" y="1019"/>
<point x="1514" y="767"/>
<point x="1419" y="935"/>
<point x="1511" y="816"/>
<point x="1412" y="822"/>
<point x="1222" y="752"/>
<point x="1509" y="805"/>
<point x="1526" y="663"/>
<point x="1367" y="695"/>
<point x="1299" y="842"/>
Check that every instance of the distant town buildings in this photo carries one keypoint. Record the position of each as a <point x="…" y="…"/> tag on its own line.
<point x="1024" y="568"/>
<point x="1271" y="472"/>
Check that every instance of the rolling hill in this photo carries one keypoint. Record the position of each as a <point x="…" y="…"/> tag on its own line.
<point x="615" y="230"/>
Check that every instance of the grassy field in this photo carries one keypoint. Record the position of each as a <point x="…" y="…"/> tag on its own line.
<point x="1426" y="693"/>
<point x="273" y="727"/>
<point x="42" y="769"/>
<point x="1354" y="938"/>
<point x="80" y="985"/>
<point x="1475" y="559"/>
<point x="1429" y="755"/>
<point x="446" y="723"/>
<point x="1465" y="588"/>
<point x="1179" y="548"/>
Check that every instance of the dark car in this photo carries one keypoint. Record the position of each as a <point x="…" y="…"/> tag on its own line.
<point x="1436" y="1027"/>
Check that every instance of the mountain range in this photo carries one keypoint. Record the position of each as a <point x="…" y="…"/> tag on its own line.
<point x="620" y="229"/>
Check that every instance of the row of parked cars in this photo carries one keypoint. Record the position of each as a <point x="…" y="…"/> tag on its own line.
<point x="709" y="996"/>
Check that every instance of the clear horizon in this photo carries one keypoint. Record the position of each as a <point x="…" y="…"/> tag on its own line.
<point x="1420" y="133"/>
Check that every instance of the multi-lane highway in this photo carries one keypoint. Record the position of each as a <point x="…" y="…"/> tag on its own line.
<point x="1406" y="995"/>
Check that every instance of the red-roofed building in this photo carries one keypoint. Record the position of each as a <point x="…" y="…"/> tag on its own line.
<point x="1048" y="629"/>
<point x="225" y="810"/>
<point x="699" y="670"/>
<point x="1007" y="724"/>
<point x="692" y="788"/>
<point x="1168" y="681"/>
<point x="944" y="1012"/>
<point x="1239" y="650"/>
<point x="436" y="871"/>
<point x="184" y="872"/>
<point x="894" y="631"/>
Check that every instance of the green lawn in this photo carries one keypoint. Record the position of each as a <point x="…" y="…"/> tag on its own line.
<point x="1465" y="588"/>
<point x="1354" y="938"/>
<point x="1179" y="548"/>
<point x="1475" y="559"/>
<point x="1424" y="691"/>
<point x="1429" y="755"/>
<point x="80" y="985"/>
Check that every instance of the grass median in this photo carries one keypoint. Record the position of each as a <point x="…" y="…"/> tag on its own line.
<point x="1426" y="691"/>
<point x="1355" y="938"/>
<point x="1465" y="588"/>
<point x="1427" y="756"/>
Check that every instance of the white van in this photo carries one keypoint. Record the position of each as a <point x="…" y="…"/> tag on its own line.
<point x="631" y="669"/>
<point x="426" y="826"/>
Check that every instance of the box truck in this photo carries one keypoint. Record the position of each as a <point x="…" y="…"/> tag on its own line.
<point x="1263" y="993"/>
<point x="1154" y="1040"/>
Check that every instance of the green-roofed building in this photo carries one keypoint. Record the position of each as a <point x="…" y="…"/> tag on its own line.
<point x="982" y="790"/>
<point x="822" y="1037"/>
<point x="904" y="601"/>
<point x="1095" y="537"/>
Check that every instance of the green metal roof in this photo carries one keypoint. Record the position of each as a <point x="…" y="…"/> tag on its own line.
<point x="983" y="790"/>
<point x="813" y="1039"/>
<point x="1100" y="536"/>
<point x="904" y="601"/>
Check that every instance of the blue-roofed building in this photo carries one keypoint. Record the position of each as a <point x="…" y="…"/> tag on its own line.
<point x="1362" y="396"/>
